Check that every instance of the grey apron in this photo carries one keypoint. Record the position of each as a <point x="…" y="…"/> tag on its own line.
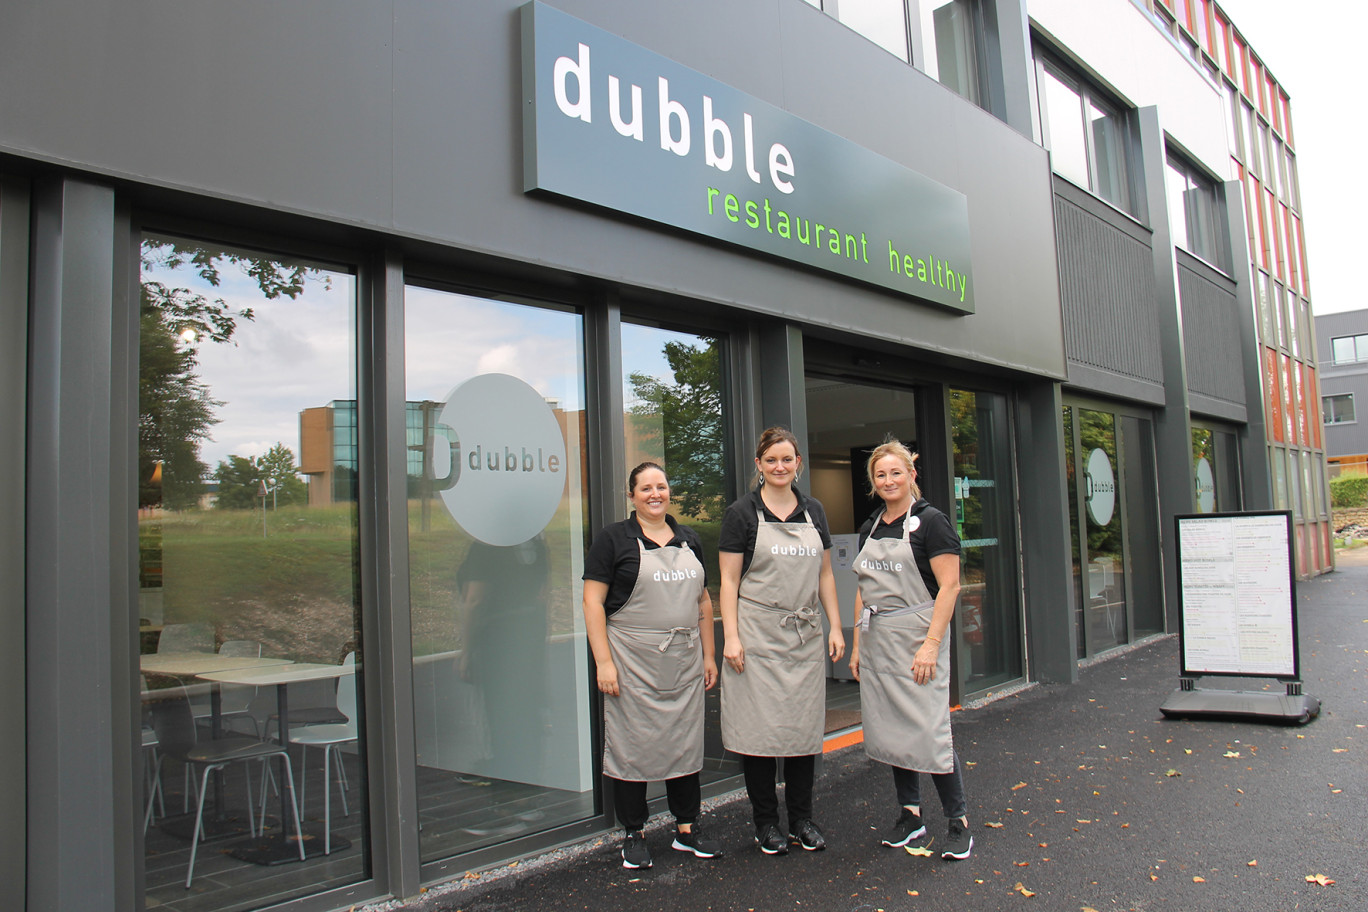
<point x="653" y="729"/>
<point x="906" y="724"/>
<point x="776" y="707"/>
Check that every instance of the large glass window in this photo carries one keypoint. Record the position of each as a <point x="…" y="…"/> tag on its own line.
<point x="1193" y="212"/>
<point x="951" y="30"/>
<point x="882" y="21"/>
<point x="248" y="574"/>
<point x="1088" y="137"/>
<point x="989" y="615"/>
<point x="497" y="533"/>
<point x="674" y="393"/>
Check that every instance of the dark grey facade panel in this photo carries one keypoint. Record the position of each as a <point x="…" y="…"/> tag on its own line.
<point x="1106" y="290"/>
<point x="1211" y="334"/>
<point x="405" y="118"/>
<point x="1346" y="438"/>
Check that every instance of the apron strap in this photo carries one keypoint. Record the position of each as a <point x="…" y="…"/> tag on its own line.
<point x="800" y="616"/>
<point x="690" y="634"/>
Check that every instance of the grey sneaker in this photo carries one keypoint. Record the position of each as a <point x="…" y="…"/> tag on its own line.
<point x="808" y="836"/>
<point x="771" y="842"/>
<point x="694" y="841"/>
<point x="907" y="828"/>
<point x="634" y="851"/>
<point x="958" y="843"/>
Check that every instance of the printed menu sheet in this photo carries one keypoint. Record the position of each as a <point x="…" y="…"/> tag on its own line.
<point x="1236" y="593"/>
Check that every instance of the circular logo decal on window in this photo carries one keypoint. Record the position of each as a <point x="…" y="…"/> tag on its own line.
<point x="1206" y="487"/>
<point x="503" y="474"/>
<point x="1101" y="487"/>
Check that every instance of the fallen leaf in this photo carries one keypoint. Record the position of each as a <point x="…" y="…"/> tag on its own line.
<point x="1319" y="879"/>
<point x="1339" y="750"/>
<point x="1253" y="863"/>
<point x="1172" y="773"/>
<point x="1231" y="754"/>
<point x="1043" y="845"/>
<point x="1199" y="880"/>
<point x="1088" y="909"/>
<point x="1082" y="821"/>
<point x="1022" y="864"/>
<point x="1020" y="888"/>
<point x="1187" y="750"/>
<point x="913" y="893"/>
<point x="994" y="824"/>
<point x="1019" y="785"/>
<point x="1154" y="877"/>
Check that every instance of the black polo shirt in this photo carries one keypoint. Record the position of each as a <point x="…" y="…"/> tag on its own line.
<point x="739" y="523"/>
<point x="614" y="558"/>
<point x="935" y="536"/>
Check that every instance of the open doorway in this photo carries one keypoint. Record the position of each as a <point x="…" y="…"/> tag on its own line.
<point x="845" y="422"/>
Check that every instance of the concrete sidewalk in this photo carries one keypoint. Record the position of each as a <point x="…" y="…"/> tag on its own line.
<point x="1080" y="797"/>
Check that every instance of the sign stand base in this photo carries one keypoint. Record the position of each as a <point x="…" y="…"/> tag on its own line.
<point x="1291" y="708"/>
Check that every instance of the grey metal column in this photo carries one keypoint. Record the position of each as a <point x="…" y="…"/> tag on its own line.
<point x="1172" y="423"/>
<point x="783" y="396"/>
<point x="14" y="227"/>
<point x="1011" y="71"/>
<point x="79" y="736"/>
<point x="386" y="619"/>
<point x="607" y="446"/>
<point x="1046" y="553"/>
<point x="1256" y="477"/>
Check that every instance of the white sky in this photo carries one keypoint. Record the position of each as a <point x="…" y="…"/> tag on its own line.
<point x="1315" y="51"/>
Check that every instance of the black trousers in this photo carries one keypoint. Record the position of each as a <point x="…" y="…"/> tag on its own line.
<point x="629" y="800"/>
<point x="764" y="795"/>
<point x="949" y="786"/>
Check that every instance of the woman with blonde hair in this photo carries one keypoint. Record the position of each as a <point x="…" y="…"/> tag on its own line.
<point x="909" y="578"/>
<point x="775" y="562"/>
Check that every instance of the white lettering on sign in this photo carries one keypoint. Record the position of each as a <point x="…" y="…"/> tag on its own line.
<point x="674" y="126"/>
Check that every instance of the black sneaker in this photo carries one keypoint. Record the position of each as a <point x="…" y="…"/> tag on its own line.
<point x="958" y="843"/>
<point x="696" y="842"/>
<point x="634" y="851"/>
<point x="771" y="843"/>
<point x="907" y="828"/>
<point x="808" y="836"/>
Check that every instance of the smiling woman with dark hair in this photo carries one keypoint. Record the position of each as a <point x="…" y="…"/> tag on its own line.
<point x="649" y="620"/>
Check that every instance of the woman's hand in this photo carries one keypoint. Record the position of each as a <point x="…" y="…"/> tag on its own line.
<point x="608" y="678"/>
<point x="855" y="660"/>
<point x="709" y="674"/>
<point x="836" y="644"/>
<point x="924" y="662"/>
<point x="734" y="654"/>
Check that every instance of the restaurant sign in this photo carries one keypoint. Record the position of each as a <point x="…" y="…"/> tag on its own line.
<point x="610" y="123"/>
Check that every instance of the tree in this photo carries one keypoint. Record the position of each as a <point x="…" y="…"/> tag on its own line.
<point x="176" y="408"/>
<point x="690" y="411"/>
<point x="241" y="480"/>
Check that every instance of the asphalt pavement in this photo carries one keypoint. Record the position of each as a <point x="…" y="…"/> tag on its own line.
<point x="1081" y="797"/>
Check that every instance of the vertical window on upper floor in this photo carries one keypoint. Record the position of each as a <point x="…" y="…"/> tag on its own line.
<point x="952" y="32"/>
<point x="1252" y="144"/>
<point x="1234" y="133"/>
<point x="883" y="22"/>
<point x="1193" y="212"/>
<point x="1089" y="138"/>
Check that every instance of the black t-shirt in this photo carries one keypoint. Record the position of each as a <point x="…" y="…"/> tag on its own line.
<point x="614" y="558"/>
<point x="935" y="536"/>
<point x="739" y="523"/>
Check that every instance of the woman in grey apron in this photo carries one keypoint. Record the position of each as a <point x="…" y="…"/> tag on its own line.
<point x="776" y="580"/>
<point x="649" y="621"/>
<point x="908" y="569"/>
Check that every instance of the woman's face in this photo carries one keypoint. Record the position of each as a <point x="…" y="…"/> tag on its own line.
<point x="893" y="479"/>
<point x="651" y="496"/>
<point x="779" y="464"/>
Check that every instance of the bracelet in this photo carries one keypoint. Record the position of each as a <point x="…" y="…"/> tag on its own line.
<point x="932" y="639"/>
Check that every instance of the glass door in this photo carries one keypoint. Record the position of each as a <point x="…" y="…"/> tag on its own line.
<point x="989" y="642"/>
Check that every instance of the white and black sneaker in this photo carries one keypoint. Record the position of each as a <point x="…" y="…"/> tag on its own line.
<point x="694" y="841"/>
<point x="907" y="828"/>
<point x="958" y="844"/>
<point x="634" y="852"/>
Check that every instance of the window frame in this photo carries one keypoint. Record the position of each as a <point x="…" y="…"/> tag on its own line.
<point x="1214" y="247"/>
<point x="1327" y="418"/>
<point x="1091" y="97"/>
